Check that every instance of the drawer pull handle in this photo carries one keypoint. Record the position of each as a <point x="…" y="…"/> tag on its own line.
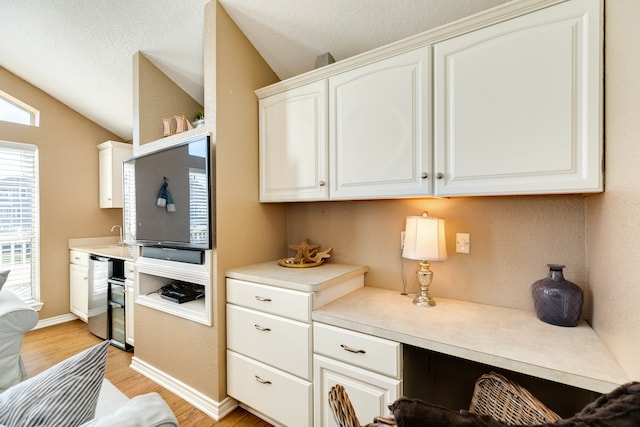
<point x="260" y="328"/>
<point x="352" y="350"/>
<point x="261" y="381"/>
<point x="263" y="299"/>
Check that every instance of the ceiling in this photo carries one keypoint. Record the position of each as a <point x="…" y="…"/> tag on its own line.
<point x="80" y="51"/>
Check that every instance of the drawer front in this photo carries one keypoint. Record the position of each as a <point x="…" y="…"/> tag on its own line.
<point x="366" y="351"/>
<point x="276" y="341"/>
<point x="282" y="397"/>
<point x="79" y="258"/>
<point x="129" y="271"/>
<point x="270" y="299"/>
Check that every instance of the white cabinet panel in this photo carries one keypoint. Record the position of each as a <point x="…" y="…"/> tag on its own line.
<point x="517" y="105"/>
<point x="293" y="144"/>
<point x="274" y="340"/>
<point x="110" y="157"/>
<point x="79" y="288"/>
<point x="283" y="397"/>
<point x="369" y="393"/>
<point x="379" y="128"/>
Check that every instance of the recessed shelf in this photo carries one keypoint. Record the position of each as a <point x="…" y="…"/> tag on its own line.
<point x="152" y="274"/>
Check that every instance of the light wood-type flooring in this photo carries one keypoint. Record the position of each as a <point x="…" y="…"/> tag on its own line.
<point x="43" y="348"/>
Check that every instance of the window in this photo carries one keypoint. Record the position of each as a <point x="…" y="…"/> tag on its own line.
<point x="15" y="111"/>
<point x="19" y="220"/>
<point x="199" y="209"/>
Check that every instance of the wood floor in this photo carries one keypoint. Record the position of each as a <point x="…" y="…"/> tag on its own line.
<point x="43" y="348"/>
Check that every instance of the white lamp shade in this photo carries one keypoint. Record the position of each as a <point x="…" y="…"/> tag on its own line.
<point x="424" y="239"/>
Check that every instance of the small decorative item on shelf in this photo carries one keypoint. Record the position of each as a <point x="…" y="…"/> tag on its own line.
<point x="166" y="127"/>
<point x="182" y="124"/>
<point x="198" y="119"/>
<point x="309" y="255"/>
<point x="557" y="301"/>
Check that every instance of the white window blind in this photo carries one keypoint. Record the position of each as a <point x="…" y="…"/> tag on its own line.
<point x="19" y="214"/>
<point x="199" y="196"/>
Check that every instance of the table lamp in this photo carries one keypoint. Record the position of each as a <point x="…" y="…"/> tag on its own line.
<point x="424" y="240"/>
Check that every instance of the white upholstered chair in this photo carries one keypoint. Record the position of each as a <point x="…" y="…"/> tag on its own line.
<point x="16" y="318"/>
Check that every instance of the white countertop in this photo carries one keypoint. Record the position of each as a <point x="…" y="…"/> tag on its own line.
<point x="503" y="337"/>
<point x="104" y="246"/>
<point x="311" y="279"/>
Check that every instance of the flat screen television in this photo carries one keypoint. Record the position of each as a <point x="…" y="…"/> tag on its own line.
<point x="183" y="221"/>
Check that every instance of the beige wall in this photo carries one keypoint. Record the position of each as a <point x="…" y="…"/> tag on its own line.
<point x="512" y="241"/>
<point x="69" y="202"/>
<point x="246" y="231"/>
<point x="613" y="227"/>
<point x="157" y="97"/>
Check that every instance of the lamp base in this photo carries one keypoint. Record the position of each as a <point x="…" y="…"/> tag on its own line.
<point x="424" y="276"/>
<point x="424" y="301"/>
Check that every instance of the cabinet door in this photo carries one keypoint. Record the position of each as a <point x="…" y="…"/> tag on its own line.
<point x="379" y="129"/>
<point x="370" y="393"/>
<point x="105" y="160"/>
<point x="293" y="145"/>
<point x="518" y="105"/>
<point x="128" y="310"/>
<point x="79" y="291"/>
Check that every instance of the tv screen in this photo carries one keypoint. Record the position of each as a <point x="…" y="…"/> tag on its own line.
<point x="173" y="197"/>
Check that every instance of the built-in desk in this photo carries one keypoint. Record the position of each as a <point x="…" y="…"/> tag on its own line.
<point x="502" y="337"/>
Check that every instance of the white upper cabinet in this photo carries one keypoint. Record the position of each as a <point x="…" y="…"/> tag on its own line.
<point x="110" y="157"/>
<point x="379" y="132"/>
<point x="518" y="105"/>
<point x="505" y="102"/>
<point x="293" y="144"/>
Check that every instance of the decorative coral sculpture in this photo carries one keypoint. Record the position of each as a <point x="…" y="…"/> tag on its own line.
<point x="308" y="255"/>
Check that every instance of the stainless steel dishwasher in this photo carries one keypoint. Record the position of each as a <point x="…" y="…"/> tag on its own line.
<point x="100" y="269"/>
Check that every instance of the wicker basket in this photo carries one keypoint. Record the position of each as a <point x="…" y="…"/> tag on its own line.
<point x="342" y="408"/>
<point x="508" y="402"/>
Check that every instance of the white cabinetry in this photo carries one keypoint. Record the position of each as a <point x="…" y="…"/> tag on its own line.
<point x="269" y="335"/>
<point x="269" y="356"/>
<point x="79" y="284"/>
<point x="368" y="367"/>
<point x="129" y="286"/>
<point x="513" y="106"/>
<point x="111" y="155"/>
<point x="293" y="145"/>
<point x="379" y="128"/>
<point x="379" y="138"/>
<point x="518" y="105"/>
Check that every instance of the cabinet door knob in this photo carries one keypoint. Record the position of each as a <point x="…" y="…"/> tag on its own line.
<point x="352" y="350"/>
<point x="263" y="299"/>
<point x="424" y="175"/>
<point x="261" y="328"/>
<point x="439" y="175"/>
<point x="321" y="183"/>
<point x="261" y="381"/>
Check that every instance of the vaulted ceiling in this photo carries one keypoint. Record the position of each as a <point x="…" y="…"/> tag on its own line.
<point x="80" y="51"/>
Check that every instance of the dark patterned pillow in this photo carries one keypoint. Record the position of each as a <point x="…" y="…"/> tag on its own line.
<point x="64" y="395"/>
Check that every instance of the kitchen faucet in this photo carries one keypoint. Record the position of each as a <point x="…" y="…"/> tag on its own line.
<point x="121" y="241"/>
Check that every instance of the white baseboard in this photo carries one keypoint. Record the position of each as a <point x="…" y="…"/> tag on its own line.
<point x="214" y="409"/>
<point x="50" y="321"/>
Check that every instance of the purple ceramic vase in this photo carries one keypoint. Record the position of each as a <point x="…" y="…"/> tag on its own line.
<point x="557" y="301"/>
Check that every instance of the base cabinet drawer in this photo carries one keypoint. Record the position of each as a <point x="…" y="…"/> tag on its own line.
<point x="285" y="398"/>
<point x="274" y="340"/>
<point x="366" y="351"/>
<point x="369" y="393"/>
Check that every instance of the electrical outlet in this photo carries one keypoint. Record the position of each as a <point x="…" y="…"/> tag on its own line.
<point x="463" y="243"/>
